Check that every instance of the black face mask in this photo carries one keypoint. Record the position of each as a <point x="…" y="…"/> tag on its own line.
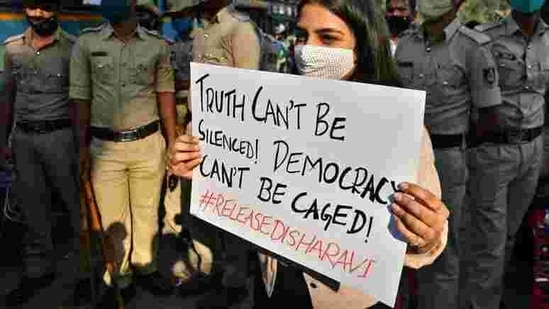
<point x="398" y="24"/>
<point x="43" y="26"/>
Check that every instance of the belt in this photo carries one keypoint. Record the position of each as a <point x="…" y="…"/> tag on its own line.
<point x="44" y="126"/>
<point x="447" y="141"/>
<point x="511" y="136"/>
<point x="125" y="136"/>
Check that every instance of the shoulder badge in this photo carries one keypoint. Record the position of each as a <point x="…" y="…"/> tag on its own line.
<point x="486" y="27"/>
<point x="71" y="38"/>
<point x="13" y="38"/>
<point x="93" y="29"/>
<point x="408" y="32"/>
<point x="476" y="36"/>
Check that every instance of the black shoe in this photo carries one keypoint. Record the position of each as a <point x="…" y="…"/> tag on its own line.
<point x="155" y="283"/>
<point x="197" y="284"/>
<point x="223" y="298"/>
<point x="128" y="294"/>
<point x="27" y="288"/>
<point x="110" y="298"/>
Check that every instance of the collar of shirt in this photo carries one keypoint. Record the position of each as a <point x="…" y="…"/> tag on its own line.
<point x="28" y="35"/>
<point x="512" y="27"/>
<point x="107" y="32"/>
<point x="448" y="33"/>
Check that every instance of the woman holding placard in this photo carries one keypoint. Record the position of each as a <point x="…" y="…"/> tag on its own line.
<point x="348" y="40"/>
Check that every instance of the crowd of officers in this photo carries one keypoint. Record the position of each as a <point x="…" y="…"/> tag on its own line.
<point x="109" y="105"/>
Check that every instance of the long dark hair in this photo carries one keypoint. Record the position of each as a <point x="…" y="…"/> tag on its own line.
<point x="365" y="19"/>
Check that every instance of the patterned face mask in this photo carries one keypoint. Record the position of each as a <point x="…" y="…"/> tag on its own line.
<point x="324" y="62"/>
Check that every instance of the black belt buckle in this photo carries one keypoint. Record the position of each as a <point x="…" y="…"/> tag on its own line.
<point x="126" y="136"/>
<point x="515" y="136"/>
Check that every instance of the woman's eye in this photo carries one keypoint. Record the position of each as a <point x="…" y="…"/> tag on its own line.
<point x="327" y="39"/>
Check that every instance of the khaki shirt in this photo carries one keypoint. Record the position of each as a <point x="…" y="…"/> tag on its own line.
<point x="40" y="77"/>
<point x="229" y="40"/>
<point x="120" y="79"/>
<point x="523" y="66"/>
<point x="458" y="73"/>
<point x="322" y="296"/>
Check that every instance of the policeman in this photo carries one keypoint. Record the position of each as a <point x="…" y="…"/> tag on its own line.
<point x="450" y="62"/>
<point x="399" y="18"/>
<point x="228" y="38"/>
<point x="122" y="82"/>
<point x="148" y="15"/>
<point x="182" y="21"/>
<point x="507" y="153"/>
<point x="36" y="81"/>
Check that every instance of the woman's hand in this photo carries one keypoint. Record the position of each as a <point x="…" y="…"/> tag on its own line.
<point x="420" y="216"/>
<point x="184" y="156"/>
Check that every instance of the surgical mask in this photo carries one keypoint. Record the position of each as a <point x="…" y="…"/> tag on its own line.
<point x="116" y="11"/>
<point x="324" y="62"/>
<point x="43" y="26"/>
<point x="527" y="6"/>
<point x="182" y="25"/>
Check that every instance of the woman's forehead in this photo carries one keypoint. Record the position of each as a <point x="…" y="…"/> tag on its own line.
<point x="313" y="16"/>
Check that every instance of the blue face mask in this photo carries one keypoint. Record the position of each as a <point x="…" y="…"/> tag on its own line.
<point x="527" y="6"/>
<point x="182" y="25"/>
<point x="116" y="11"/>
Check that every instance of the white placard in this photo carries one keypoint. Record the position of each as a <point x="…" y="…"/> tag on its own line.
<point x="305" y="168"/>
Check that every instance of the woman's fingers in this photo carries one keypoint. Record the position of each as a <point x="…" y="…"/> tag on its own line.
<point x="184" y="157"/>
<point x="417" y="209"/>
<point x="421" y="232"/>
<point x="424" y="196"/>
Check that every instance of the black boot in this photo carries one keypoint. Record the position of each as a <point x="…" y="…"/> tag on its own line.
<point x="155" y="283"/>
<point x="27" y="288"/>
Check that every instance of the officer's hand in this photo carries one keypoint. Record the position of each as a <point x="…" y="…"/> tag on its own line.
<point x="5" y="155"/>
<point x="420" y="216"/>
<point x="185" y="156"/>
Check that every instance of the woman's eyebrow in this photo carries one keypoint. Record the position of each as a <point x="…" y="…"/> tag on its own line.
<point x="329" y="31"/>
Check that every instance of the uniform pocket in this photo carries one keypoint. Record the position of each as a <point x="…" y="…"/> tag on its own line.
<point x="142" y="73"/>
<point x="103" y="70"/>
<point x="449" y="80"/>
<point x="510" y="68"/>
<point x="55" y="74"/>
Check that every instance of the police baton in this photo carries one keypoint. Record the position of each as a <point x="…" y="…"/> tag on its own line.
<point x="95" y="228"/>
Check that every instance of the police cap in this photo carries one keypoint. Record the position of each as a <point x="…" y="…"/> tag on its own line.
<point x="433" y="9"/>
<point x="148" y="5"/>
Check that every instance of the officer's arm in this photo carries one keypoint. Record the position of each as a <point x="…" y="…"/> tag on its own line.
<point x="164" y="87"/>
<point x="80" y="91"/>
<point x="485" y="91"/>
<point x="244" y="47"/>
<point x="7" y="95"/>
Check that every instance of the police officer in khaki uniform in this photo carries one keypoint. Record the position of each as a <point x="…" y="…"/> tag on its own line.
<point x="451" y="62"/>
<point x="507" y="149"/>
<point x="228" y="38"/>
<point x="36" y="80"/>
<point x="122" y="82"/>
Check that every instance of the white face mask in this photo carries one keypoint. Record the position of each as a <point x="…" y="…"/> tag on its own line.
<point x="324" y="62"/>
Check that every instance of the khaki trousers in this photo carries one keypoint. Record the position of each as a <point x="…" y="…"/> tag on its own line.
<point x="127" y="179"/>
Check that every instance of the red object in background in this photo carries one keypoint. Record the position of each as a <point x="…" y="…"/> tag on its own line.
<point x="538" y="220"/>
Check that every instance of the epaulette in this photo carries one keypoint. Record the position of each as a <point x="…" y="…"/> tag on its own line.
<point x="71" y="38"/>
<point x="240" y="16"/>
<point x="153" y="33"/>
<point x="486" y="27"/>
<point x="476" y="36"/>
<point x="13" y="38"/>
<point x="93" y="29"/>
